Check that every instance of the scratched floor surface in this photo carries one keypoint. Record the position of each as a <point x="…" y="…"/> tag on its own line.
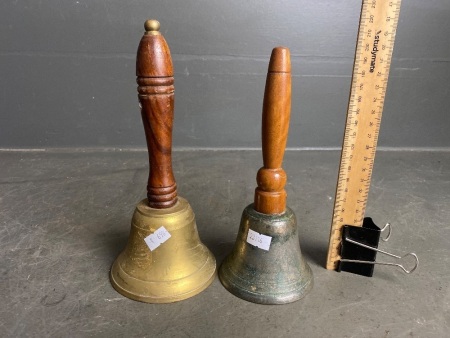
<point x="64" y="217"/>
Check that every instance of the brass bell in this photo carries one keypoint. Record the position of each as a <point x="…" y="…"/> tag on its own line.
<point x="266" y="265"/>
<point x="164" y="260"/>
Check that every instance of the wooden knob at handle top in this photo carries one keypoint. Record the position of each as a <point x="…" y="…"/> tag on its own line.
<point x="270" y="196"/>
<point x="154" y="73"/>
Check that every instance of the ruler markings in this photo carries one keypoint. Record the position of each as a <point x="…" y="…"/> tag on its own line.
<point x="375" y="42"/>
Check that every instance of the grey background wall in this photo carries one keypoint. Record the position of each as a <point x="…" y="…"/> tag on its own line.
<point x="67" y="71"/>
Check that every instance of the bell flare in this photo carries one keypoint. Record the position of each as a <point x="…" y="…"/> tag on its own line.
<point x="278" y="275"/>
<point x="178" y="268"/>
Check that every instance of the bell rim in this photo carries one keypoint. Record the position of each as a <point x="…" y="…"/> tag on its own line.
<point x="210" y="263"/>
<point x="265" y="298"/>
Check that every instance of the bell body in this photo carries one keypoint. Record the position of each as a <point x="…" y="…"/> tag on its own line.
<point x="277" y="276"/>
<point x="179" y="268"/>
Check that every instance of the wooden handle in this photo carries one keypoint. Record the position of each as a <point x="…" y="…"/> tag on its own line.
<point x="154" y="73"/>
<point x="270" y="196"/>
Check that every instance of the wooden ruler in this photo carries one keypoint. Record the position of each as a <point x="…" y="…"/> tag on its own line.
<point x="374" y="48"/>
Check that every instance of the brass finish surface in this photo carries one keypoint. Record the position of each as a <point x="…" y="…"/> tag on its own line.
<point x="178" y="269"/>
<point x="278" y="276"/>
<point x="181" y="266"/>
<point x="152" y="27"/>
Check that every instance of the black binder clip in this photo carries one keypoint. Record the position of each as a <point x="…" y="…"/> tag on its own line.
<point x="360" y="246"/>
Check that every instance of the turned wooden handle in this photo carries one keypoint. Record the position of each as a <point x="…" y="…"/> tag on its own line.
<point x="270" y="196"/>
<point x="154" y="73"/>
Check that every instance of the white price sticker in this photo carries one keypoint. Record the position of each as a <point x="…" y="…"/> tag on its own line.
<point x="157" y="238"/>
<point x="259" y="240"/>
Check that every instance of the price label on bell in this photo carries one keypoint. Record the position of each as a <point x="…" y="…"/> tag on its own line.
<point x="259" y="240"/>
<point x="157" y="238"/>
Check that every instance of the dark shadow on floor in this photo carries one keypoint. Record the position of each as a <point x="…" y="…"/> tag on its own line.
<point x="314" y="252"/>
<point x="219" y="248"/>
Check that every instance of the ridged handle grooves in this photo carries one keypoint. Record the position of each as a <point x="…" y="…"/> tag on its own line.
<point x="154" y="73"/>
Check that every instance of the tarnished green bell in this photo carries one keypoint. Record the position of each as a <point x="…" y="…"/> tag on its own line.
<point x="276" y="276"/>
<point x="266" y="265"/>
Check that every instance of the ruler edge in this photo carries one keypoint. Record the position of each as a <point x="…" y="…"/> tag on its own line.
<point x="332" y="264"/>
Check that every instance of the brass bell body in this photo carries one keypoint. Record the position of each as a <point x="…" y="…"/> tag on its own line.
<point x="179" y="268"/>
<point x="277" y="276"/>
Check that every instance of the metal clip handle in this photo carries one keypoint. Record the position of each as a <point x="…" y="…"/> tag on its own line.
<point x="383" y="252"/>
<point x="387" y="226"/>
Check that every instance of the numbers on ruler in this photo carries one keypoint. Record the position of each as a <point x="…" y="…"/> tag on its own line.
<point x="370" y="74"/>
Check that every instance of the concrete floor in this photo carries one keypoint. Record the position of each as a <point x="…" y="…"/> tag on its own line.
<point x="65" y="216"/>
